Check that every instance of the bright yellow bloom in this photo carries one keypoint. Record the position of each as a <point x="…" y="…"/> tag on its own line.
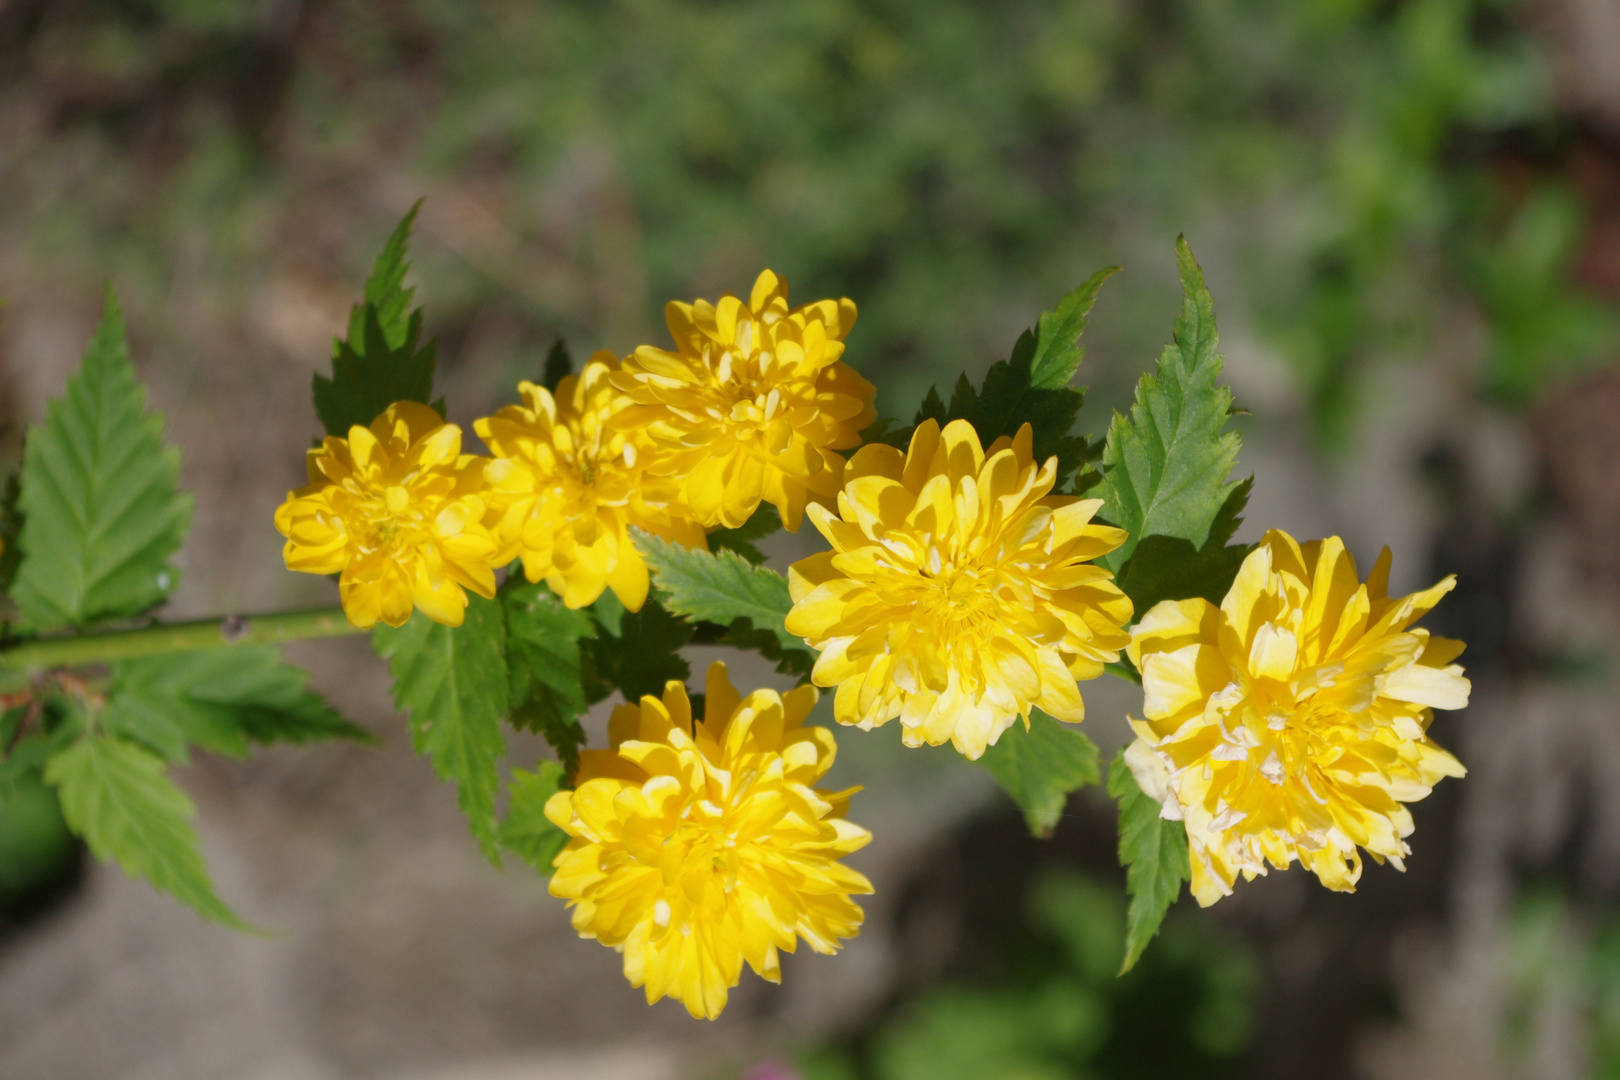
<point x="570" y="486"/>
<point x="754" y="402"/>
<point x="700" y="844"/>
<point x="959" y="593"/>
<point x="1290" y="722"/>
<point x="398" y="509"/>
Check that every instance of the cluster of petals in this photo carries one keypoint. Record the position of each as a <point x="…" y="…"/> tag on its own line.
<point x="753" y="403"/>
<point x="1291" y="721"/>
<point x="697" y="844"/>
<point x="401" y="513"/>
<point x="959" y="592"/>
<point x="570" y="485"/>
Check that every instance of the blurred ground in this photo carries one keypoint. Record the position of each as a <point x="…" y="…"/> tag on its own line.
<point x="395" y="951"/>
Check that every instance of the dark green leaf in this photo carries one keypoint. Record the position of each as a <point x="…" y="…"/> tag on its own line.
<point x="1041" y="767"/>
<point x="763" y="523"/>
<point x="1165" y="466"/>
<point x="218" y="700"/>
<point x="454" y="683"/>
<point x="718" y="587"/>
<point x="101" y="515"/>
<point x="526" y="831"/>
<point x="11" y="519"/>
<point x="1154" y="854"/>
<point x="380" y="362"/>
<point x="543" y="656"/>
<point x="1163" y="568"/>
<point x="559" y="365"/>
<point x="637" y="652"/>
<point x="117" y="797"/>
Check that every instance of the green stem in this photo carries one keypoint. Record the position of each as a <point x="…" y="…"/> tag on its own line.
<point x="54" y="652"/>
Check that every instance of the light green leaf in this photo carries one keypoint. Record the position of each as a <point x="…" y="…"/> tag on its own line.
<point x="544" y="659"/>
<point x="527" y="832"/>
<point x="1154" y="854"/>
<point x="219" y="700"/>
<point x="379" y="363"/>
<point x="1040" y="767"/>
<point x="101" y="515"/>
<point x="117" y="797"/>
<point x="1165" y="466"/>
<point x="719" y="587"/>
<point x="762" y="523"/>
<point x="1054" y="344"/>
<point x="454" y="683"/>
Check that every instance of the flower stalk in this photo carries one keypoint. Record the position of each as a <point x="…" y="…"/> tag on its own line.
<point x="81" y="650"/>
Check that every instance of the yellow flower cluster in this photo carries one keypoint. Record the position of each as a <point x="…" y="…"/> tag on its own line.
<point x="1291" y="721"/>
<point x="753" y="405"/>
<point x="960" y="593"/>
<point x="699" y="844"/>
<point x="401" y="513"/>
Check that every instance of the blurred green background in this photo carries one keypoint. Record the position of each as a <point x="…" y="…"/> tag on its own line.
<point x="1397" y="202"/>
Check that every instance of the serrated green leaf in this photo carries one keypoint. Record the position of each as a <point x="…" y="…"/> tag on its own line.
<point x="101" y="515"/>
<point x="543" y="656"/>
<point x="1041" y="767"/>
<point x="379" y="363"/>
<point x="637" y="652"/>
<point x="1054" y="344"/>
<point x="454" y="683"/>
<point x="218" y="700"/>
<point x="1165" y="465"/>
<point x="1154" y="854"/>
<point x="559" y="365"/>
<point x="1163" y="568"/>
<point x="118" y="798"/>
<point x="718" y="587"/>
<point x="526" y="831"/>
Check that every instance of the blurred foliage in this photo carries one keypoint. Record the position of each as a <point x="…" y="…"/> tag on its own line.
<point x="948" y="164"/>
<point x="1061" y="1014"/>
<point x="1562" y="966"/>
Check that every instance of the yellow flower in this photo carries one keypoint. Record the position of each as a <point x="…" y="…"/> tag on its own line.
<point x="398" y="509"/>
<point x="700" y="844"/>
<point x="570" y="486"/>
<point x="754" y="402"/>
<point x="959" y="593"/>
<point x="1290" y="722"/>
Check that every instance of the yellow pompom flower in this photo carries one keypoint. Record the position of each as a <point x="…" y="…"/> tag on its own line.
<point x="570" y="485"/>
<point x="698" y="844"/>
<point x="1291" y="721"/>
<point x="959" y="593"/>
<point x="399" y="511"/>
<point x="754" y="403"/>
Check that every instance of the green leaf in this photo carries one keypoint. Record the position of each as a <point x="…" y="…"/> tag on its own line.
<point x="1030" y="388"/>
<point x="101" y="515"/>
<point x="117" y="797"/>
<point x="1154" y="854"/>
<point x="1040" y="767"/>
<point x="1165" y="466"/>
<point x="559" y="365"/>
<point x="544" y="659"/>
<point x="11" y="519"/>
<point x="637" y="652"/>
<point x="719" y="587"/>
<point x="454" y="683"/>
<point x="1165" y="568"/>
<point x="219" y="700"/>
<point x="526" y="831"/>
<point x="763" y="523"/>
<point x="380" y="362"/>
<point x="1054" y="344"/>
